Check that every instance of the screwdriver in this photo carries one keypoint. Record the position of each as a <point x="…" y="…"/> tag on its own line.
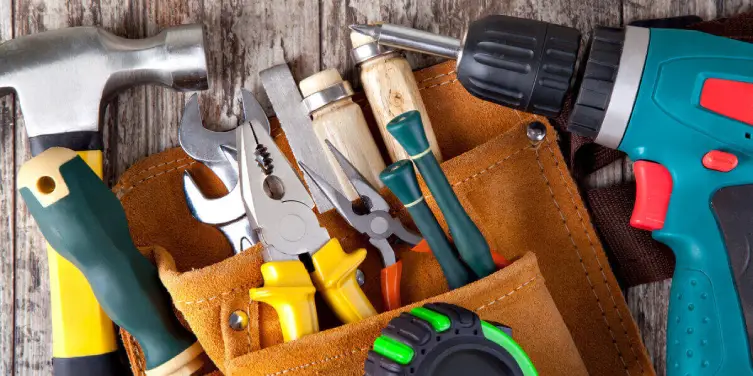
<point x="408" y="130"/>
<point x="83" y="220"/>
<point x="524" y="64"/>
<point x="400" y="178"/>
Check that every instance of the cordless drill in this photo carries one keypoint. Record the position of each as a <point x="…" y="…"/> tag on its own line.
<point x="680" y="104"/>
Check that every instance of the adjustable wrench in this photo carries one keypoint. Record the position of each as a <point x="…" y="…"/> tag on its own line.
<point x="227" y="213"/>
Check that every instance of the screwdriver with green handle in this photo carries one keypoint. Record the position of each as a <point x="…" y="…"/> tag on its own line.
<point x="85" y="223"/>
<point x="400" y="178"/>
<point x="408" y="130"/>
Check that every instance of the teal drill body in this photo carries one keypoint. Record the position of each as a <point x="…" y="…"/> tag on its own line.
<point x="709" y="220"/>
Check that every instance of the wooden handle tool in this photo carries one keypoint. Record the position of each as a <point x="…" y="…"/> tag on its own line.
<point x="392" y="90"/>
<point x="338" y="119"/>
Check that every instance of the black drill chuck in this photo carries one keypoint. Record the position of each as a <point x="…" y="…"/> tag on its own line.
<point x="523" y="64"/>
<point x="599" y="76"/>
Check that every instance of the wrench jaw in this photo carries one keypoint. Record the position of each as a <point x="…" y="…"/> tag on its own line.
<point x="198" y="142"/>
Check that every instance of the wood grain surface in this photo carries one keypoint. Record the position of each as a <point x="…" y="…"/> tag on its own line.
<point x="243" y="38"/>
<point x="392" y="90"/>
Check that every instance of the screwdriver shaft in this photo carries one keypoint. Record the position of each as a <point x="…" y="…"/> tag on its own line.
<point x="406" y="38"/>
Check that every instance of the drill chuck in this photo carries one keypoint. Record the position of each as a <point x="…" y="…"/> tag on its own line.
<point x="523" y="64"/>
<point x="609" y="84"/>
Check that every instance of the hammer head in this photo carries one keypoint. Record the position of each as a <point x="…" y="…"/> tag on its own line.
<point x="63" y="78"/>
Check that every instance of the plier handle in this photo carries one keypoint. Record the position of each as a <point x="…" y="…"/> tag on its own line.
<point x="299" y="255"/>
<point x="373" y="220"/>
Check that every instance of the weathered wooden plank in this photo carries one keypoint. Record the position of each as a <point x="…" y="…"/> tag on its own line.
<point x="7" y="210"/>
<point x="643" y="9"/>
<point x="649" y="304"/>
<point x="617" y="172"/>
<point x="32" y="329"/>
<point x="733" y="7"/>
<point x="448" y="17"/>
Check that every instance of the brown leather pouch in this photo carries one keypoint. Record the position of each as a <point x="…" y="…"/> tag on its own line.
<point x="519" y="193"/>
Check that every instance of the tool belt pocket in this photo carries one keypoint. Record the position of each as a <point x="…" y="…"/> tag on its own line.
<point x="209" y="285"/>
<point x="516" y="296"/>
<point x="515" y="187"/>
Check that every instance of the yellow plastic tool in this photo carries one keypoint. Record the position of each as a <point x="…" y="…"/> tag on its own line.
<point x="282" y="209"/>
<point x="289" y="289"/>
<point x="80" y="328"/>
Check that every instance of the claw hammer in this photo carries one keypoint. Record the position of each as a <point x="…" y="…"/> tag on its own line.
<point x="63" y="80"/>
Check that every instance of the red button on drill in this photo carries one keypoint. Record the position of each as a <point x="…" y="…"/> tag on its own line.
<point x="719" y="161"/>
<point x="732" y="99"/>
<point x="653" y="188"/>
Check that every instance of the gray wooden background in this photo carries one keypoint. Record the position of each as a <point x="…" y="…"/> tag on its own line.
<point x="245" y="37"/>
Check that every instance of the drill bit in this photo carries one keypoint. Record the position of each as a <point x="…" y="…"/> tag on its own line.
<point x="411" y="39"/>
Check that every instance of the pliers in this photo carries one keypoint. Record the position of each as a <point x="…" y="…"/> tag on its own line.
<point x="299" y="255"/>
<point x="376" y="222"/>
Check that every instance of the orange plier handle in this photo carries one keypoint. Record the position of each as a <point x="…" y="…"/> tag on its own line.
<point x="391" y="276"/>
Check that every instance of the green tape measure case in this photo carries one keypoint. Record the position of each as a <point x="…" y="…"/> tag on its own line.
<point x="443" y="339"/>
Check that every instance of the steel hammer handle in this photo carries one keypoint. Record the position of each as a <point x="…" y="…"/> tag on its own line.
<point x="85" y="223"/>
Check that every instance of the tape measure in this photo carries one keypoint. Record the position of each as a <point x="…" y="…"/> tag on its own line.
<point x="441" y="339"/>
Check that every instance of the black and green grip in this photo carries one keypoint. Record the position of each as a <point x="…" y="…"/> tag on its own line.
<point x="441" y="339"/>
<point x="408" y="130"/>
<point x="400" y="178"/>
<point x="85" y="223"/>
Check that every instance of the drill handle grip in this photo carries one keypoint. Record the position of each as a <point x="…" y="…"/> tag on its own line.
<point x="710" y="320"/>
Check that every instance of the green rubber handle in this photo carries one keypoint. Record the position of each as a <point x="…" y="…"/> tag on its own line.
<point x="408" y="130"/>
<point x="400" y="178"/>
<point x="88" y="227"/>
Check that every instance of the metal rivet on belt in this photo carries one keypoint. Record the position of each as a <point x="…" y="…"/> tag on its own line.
<point x="238" y="320"/>
<point x="536" y="131"/>
<point x="360" y="277"/>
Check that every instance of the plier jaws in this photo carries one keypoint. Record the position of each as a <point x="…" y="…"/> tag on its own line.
<point x="276" y="198"/>
<point x="288" y="228"/>
<point x="376" y="222"/>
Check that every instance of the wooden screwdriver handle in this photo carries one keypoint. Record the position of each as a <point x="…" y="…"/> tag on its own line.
<point x="391" y="89"/>
<point x="343" y="124"/>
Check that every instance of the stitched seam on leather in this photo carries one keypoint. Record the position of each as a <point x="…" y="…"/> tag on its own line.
<point x="582" y="264"/>
<point x="490" y="167"/>
<point x="209" y="299"/>
<point x="325" y="360"/>
<point x="248" y="325"/>
<point x="526" y="283"/>
<point x="440" y="84"/>
<point x="139" y="359"/>
<point x="344" y="355"/>
<point x="163" y="164"/>
<point x="139" y="182"/>
<point x="593" y="249"/>
<point x="437" y="76"/>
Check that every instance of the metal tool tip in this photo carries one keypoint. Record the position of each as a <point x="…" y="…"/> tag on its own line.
<point x="370" y="30"/>
<point x="305" y="168"/>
